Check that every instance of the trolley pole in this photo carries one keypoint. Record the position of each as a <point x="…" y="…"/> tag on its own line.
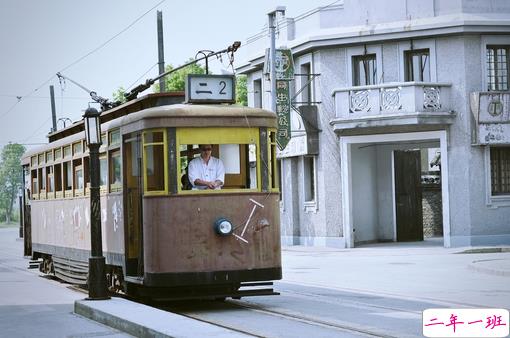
<point x="97" y="276"/>
<point x="272" y="53"/>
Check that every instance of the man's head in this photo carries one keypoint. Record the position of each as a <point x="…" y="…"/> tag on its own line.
<point x="205" y="151"/>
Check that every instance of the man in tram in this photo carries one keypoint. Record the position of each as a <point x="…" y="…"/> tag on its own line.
<point x="206" y="171"/>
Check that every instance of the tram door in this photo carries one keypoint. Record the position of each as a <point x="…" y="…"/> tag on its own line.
<point x="133" y="205"/>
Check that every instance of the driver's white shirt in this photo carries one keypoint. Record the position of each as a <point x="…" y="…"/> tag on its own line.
<point x="212" y="171"/>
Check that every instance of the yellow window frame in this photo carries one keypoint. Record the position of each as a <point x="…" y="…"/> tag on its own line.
<point x="220" y="135"/>
<point x="165" y="157"/>
<point x="273" y="163"/>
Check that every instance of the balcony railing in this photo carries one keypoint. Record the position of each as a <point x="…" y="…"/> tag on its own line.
<point x="391" y="98"/>
<point x="392" y="104"/>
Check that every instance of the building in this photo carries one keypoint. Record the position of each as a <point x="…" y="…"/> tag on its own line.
<point x="412" y="124"/>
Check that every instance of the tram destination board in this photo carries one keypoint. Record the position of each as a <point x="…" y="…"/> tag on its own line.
<point x="210" y="88"/>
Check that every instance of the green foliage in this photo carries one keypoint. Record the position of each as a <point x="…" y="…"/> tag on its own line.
<point x="176" y="81"/>
<point x="241" y="90"/>
<point x="119" y="95"/>
<point x="10" y="178"/>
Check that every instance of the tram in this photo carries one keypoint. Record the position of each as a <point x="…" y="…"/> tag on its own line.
<point x="159" y="237"/>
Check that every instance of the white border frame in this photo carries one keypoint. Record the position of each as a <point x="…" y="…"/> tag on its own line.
<point x="345" y="154"/>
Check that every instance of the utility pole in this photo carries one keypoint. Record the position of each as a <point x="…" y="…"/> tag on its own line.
<point x="161" y="56"/>
<point x="53" y="113"/>
<point x="272" y="52"/>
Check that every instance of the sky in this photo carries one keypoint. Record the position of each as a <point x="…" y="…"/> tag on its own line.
<point x="104" y="45"/>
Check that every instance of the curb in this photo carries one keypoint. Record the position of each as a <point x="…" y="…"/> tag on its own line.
<point x="144" y="321"/>
<point x="479" y="267"/>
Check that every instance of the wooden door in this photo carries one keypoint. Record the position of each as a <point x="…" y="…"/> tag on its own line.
<point x="133" y="206"/>
<point x="408" y="202"/>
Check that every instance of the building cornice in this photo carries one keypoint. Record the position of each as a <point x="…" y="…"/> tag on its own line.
<point x="399" y="30"/>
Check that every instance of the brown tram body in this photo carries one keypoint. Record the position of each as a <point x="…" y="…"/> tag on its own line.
<point x="159" y="238"/>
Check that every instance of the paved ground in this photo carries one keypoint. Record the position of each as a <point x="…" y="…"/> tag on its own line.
<point x="414" y="271"/>
<point x="424" y="271"/>
<point x="32" y="306"/>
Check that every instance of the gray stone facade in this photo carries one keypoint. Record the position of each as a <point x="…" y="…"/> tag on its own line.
<point x="362" y="126"/>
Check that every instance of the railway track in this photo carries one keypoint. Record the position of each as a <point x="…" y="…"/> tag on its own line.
<point x="291" y="315"/>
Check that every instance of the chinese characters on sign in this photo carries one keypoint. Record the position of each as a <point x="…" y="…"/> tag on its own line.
<point x="465" y="323"/>
<point x="201" y="88"/>
<point x="283" y="113"/>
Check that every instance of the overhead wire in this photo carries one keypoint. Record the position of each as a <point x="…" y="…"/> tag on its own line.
<point x="263" y="34"/>
<point x="265" y="30"/>
<point x="136" y="81"/>
<point x="29" y="94"/>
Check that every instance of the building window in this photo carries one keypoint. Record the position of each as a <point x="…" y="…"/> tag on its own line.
<point x="500" y="170"/>
<point x="498" y="67"/>
<point x="417" y="65"/>
<point x="306" y="94"/>
<point x="364" y="69"/>
<point x="257" y="93"/>
<point x="309" y="176"/>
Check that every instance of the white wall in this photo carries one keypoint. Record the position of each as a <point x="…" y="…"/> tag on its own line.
<point x="364" y="193"/>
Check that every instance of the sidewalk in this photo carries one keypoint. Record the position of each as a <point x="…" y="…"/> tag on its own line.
<point x="424" y="270"/>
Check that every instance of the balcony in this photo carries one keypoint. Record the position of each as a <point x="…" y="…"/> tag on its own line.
<point x="491" y="113"/>
<point x="392" y="107"/>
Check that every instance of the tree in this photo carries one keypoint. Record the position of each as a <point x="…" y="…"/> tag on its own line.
<point x="119" y="95"/>
<point x="10" y="177"/>
<point x="176" y="81"/>
<point x="241" y="90"/>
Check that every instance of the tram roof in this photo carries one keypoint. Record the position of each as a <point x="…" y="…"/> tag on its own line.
<point x="154" y="107"/>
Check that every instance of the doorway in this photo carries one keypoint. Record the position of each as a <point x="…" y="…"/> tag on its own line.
<point x="382" y="187"/>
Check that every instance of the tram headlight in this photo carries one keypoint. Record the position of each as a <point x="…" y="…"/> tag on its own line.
<point x="223" y="227"/>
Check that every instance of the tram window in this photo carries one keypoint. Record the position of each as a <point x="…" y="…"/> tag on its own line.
<point x="33" y="161"/>
<point x="58" y="178"/>
<point x="103" y="170"/>
<point x="58" y="153"/>
<point x="77" y="148"/>
<point x="41" y="159"/>
<point x="78" y="177"/>
<point x="78" y="171"/>
<point x="50" y="178"/>
<point x="103" y="139"/>
<point x="86" y="173"/>
<point x="49" y="156"/>
<point x="67" y="151"/>
<point x="42" y="178"/>
<point x="68" y="176"/>
<point x="114" y="137"/>
<point x="115" y="171"/>
<point x="155" y="161"/>
<point x="239" y="160"/>
<point x="35" y="185"/>
<point x="273" y="163"/>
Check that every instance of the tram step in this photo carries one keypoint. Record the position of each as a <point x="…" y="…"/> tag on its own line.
<point x="249" y="284"/>
<point x="34" y="264"/>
